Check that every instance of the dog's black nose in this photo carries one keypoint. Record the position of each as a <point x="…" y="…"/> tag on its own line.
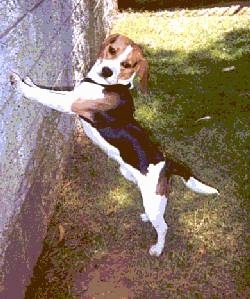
<point x="106" y="72"/>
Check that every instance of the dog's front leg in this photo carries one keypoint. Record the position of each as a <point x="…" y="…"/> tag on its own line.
<point x="58" y="100"/>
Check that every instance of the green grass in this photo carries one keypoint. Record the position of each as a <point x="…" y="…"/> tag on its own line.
<point x="206" y="249"/>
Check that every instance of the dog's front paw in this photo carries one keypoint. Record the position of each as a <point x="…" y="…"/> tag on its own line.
<point x="28" y="81"/>
<point x="155" y="250"/>
<point x="15" y="79"/>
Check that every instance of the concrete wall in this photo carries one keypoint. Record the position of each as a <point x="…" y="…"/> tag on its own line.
<point x="54" y="43"/>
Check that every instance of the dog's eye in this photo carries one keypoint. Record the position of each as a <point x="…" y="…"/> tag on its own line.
<point x="112" y="50"/>
<point x="126" y="65"/>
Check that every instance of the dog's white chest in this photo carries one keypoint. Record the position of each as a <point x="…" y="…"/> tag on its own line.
<point x="89" y="91"/>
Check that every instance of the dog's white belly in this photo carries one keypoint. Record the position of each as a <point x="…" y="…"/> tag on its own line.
<point x="128" y="171"/>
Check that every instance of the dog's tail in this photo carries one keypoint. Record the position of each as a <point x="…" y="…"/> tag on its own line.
<point x="199" y="187"/>
<point x="176" y="168"/>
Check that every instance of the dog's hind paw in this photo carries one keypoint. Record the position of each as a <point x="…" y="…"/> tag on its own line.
<point x="155" y="250"/>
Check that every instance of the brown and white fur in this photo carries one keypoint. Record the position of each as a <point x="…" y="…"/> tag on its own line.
<point x="100" y="101"/>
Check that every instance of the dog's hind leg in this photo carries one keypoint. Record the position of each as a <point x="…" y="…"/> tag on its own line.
<point x="154" y="206"/>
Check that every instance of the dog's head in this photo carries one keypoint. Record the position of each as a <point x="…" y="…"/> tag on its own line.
<point x="119" y="61"/>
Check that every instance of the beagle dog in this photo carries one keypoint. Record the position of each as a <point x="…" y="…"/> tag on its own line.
<point x="106" y="109"/>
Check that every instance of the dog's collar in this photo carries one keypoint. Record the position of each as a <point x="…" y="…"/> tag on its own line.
<point x="89" y="80"/>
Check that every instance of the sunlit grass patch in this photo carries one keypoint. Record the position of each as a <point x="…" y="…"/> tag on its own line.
<point x="205" y="226"/>
<point x="120" y="196"/>
<point x="184" y="34"/>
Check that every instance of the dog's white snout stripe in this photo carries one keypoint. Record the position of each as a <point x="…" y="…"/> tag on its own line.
<point x="96" y="72"/>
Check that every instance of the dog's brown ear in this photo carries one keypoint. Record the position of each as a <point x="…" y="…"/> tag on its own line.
<point x="109" y="40"/>
<point x="143" y="74"/>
